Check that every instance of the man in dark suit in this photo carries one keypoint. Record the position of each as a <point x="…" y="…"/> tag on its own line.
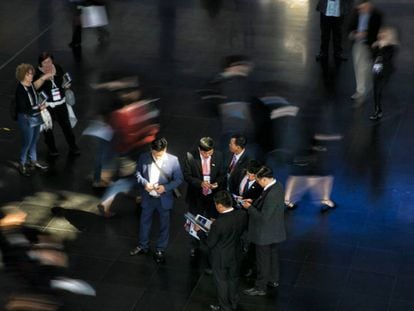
<point x="365" y="23"/>
<point x="237" y="162"/>
<point x="332" y="13"/>
<point x="158" y="173"/>
<point x="224" y="246"/>
<point x="266" y="229"/>
<point x="204" y="174"/>
<point x="248" y="187"/>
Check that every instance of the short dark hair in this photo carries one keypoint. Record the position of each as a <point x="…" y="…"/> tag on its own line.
<point x="240" y="140"/>
<point x="206" y="144"/>
<point x="224" y="198"/>
<point x="159" y="144"/>
<point x="253" y="166"/>
<point x="264" y="171"/>
<point x="43" y="56"/>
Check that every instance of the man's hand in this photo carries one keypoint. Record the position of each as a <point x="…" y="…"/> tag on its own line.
<point x="149" y="187"/>
<point x="205" y="185"/>
<point x="160" y="189"/>
<point x="247" y="203"/>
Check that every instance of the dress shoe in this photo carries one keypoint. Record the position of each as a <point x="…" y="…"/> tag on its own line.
<point x="327" y="205"/>
<point x="340" y="57"/>
<point x="38" y="165"/>
<point x="215" y="307"/>
<point x="291" y="206"/>
<point x="321" y="57"/>
<point x="138" y="251"/>
<point x="23" y="170"/>
<point x="159" y="256"/>
<point x="104" y="212"/>
<point x="254" y="292"/>
<point x="273" y="284"/>
<point x="376" y="116"/>
<point x="357" y="96"/>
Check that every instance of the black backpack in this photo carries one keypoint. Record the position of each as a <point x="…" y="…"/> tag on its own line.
<point x="13" y="109"/>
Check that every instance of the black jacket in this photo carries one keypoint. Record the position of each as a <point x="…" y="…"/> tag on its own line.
<point x="236" y="175"/>
<point x="193" y="175"/>
<point x="266" y="217"/>
<point x="345" y="6"/>
<point x="223" y="239"/>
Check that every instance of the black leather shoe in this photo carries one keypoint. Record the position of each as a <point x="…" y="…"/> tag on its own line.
<point x="376" y="116"/>
<point x="254" y="292"/>
<point x="273" y="284"/>
<point x="291" y="206"/>
<point x="327" y="206"/>
<point x="23" y="170"/>
<point x="38" y="165"/>
<point x="138" y="251"/>
<point x="321" y="57"/>
<point x="215" y="307"/>
<point x="159" y="256"/>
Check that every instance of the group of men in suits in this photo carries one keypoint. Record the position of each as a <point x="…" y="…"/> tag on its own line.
<point x="238" y="194"/>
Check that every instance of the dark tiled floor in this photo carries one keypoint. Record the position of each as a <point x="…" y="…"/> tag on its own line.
<point x="358" y="257"/>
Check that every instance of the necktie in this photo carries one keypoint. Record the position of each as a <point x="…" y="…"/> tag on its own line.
<point x="232" y="163"/>
<point x="206" y="172"/>
<point x="246" y="187"/>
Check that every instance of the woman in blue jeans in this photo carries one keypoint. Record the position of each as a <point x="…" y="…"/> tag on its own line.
<point x="28" y="116"/>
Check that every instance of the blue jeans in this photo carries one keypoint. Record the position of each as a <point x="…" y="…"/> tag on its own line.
<point x="30" y="137"/>
<point x="103" y="156"/>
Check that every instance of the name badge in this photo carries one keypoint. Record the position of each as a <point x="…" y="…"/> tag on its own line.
<point x="56" y="94"/>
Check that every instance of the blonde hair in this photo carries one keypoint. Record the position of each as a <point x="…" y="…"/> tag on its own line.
<point x="392" y="35"/>
<point x="22" y="70"/>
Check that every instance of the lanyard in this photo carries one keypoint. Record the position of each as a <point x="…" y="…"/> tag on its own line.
<point x="33" y="103"/>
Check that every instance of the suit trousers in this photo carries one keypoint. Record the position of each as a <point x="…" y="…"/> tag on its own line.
<point x="267" y="262"/>
<point x="149" y="206"/>
<point x="331" y="25"/>
<point x="226" y="281"/>
<point x="361" y="56"/>
<point x="60" y="115"/>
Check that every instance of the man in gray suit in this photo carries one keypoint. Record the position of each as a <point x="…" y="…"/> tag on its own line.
<point x="266" y="229"/>
<point x="332" y="14"/>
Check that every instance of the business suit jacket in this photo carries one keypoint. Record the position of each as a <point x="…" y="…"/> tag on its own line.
<point x="193" y="175"/>
<point x="345" y="6"/>
<point x="236" y="175"/>
<point x="266" y="217"/>
<point x="223" y="239"/>
<point x="374" y="24"/>
<point x="174" y="178"/>
<point x="253" y="192"/>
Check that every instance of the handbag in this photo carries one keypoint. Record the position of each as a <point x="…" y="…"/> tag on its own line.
<point x="34" y="120"/>
<point x="176" y="192"/>
<point x="47" y="120"/>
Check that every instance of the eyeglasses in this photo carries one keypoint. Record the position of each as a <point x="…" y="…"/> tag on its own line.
<point x="30" y="73"/>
